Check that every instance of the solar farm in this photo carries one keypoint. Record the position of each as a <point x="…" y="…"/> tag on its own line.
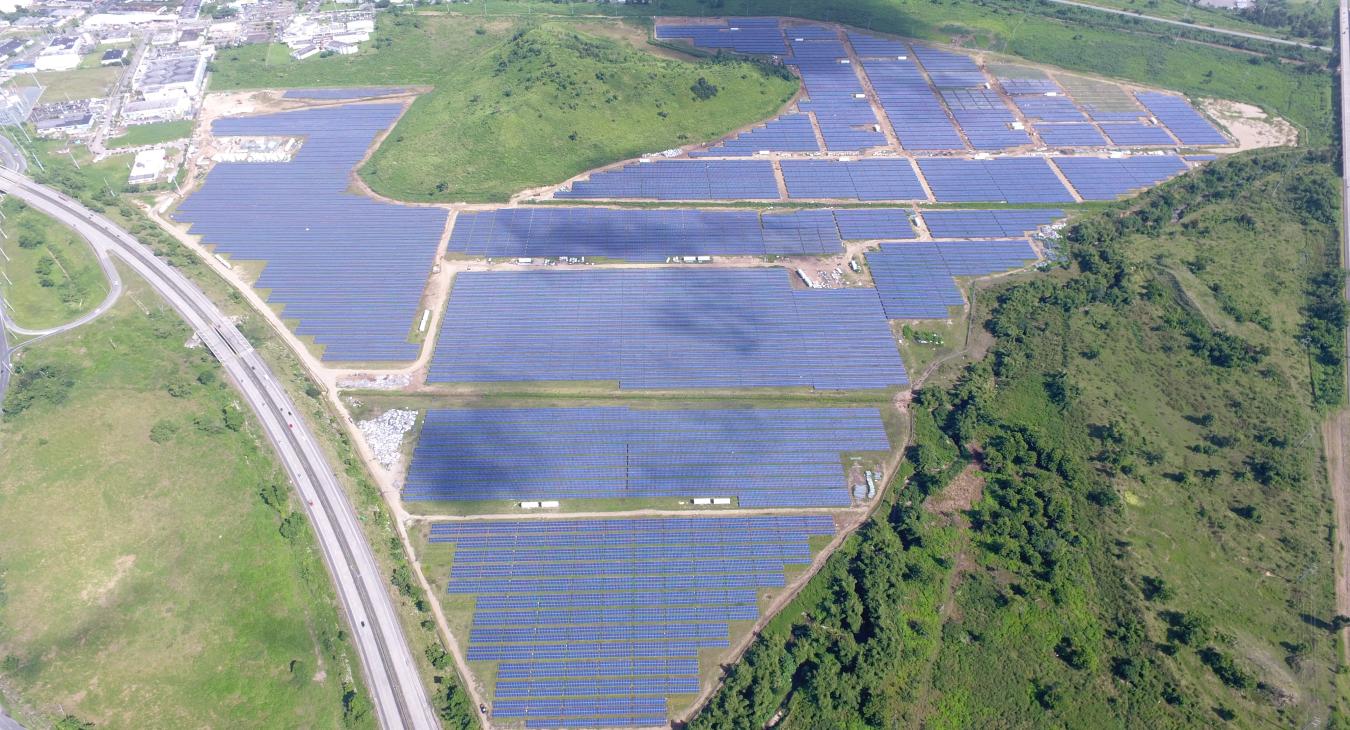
<point x="709" y="332"/>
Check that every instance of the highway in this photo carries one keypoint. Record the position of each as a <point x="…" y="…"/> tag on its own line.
<point x="391" y="674"/>
<point x="1194" y="26"/>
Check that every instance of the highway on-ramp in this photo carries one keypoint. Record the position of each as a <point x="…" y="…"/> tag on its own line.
<point x="391" y="673"/>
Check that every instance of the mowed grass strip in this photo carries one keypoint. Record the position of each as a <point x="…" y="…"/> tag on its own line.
<point x="50" y="273"/>
<point x="144" y="134"/>
<point x="146" y="582"/>
<point x="518" y="106"/>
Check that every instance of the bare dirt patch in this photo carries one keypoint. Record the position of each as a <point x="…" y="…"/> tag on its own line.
<point x="1250" y="125"/>
<point x="959" y="496"/>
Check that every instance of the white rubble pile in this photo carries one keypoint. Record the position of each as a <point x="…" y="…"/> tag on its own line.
<point x="385" y="434"/>
<point x="396" y="381"/>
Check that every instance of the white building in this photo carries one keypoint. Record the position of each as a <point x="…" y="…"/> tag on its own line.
<point x="63" y="54"/>
<point x="149" y="165"/>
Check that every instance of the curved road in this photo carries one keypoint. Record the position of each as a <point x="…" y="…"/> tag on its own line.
<point x="1194" y="26"/>
<point x="392" y="675"/>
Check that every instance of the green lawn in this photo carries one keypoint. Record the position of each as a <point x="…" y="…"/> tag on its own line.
<point x="50" y="273"/>
<point x="144" y="134"/>
<point x="519" y="106"/>
<point x="146" y="583"/>
<point x="80" y="83"/>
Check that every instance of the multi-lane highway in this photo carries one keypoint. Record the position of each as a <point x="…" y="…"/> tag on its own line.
<point x="391" y="674"/>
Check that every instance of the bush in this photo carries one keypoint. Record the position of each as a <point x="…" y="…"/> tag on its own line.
<point x="162" y="432"/>
<point x="703" y="90"/>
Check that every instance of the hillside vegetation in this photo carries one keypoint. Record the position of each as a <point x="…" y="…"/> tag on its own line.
<point x="154" y="571"/>
<point x="1144" y="539"/>
<point x="520" y="105"/>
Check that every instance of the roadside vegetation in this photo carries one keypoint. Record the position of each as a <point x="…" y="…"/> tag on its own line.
<point x="521" y="105"/>
<point x="170" y="581"/>
<point x="50" y="274"/>
<point x="146" y="134"/>
<point x="1118" y="518"/>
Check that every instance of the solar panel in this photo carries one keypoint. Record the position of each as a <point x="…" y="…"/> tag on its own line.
<point x="1137" y="134"/>
<point x="762" y="457"/>
<point x="867" y="179"/>
<point x="915" y="279"/>
<point x="743" y="35"/>
<point x="1101" y="178"/>
<point x="613" y="666"/>
<point x="1181" y="119"/>
<point x="681" y="180"/>
<point x="912" y="107"/>
<point x="350" y="269"/>
<point x="788" y="133"/>
<point x="1070" y="135"/>
<point x="836" y="95"/>
<point x="663" y="328"/>
<point x="1004" y="179"/>
<point x="988" y="223"/>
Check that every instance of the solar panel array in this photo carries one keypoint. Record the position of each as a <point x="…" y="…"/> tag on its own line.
<point x="596" y="622"/>
<point x="349" y="268"/>
<point x="1049" y="108"/>
<point x="742" y="35"/>
<point x="681" y="180"/>
<point x="762" y="457"/>
<point x="1007" y="179"/>
<point x="837" y="99"/>
<point x="359" y="92"/>
<point x="912" y="106"/>
<point x="1137" y="134"/>
<point x="1070" y="135"/>
<point x="870" y="46"/>
<point x="988" y="223"/>
<point x="1028" y="87"/>
<point x="915" y="279"/>
<point x="949" y="70"/>
<point x="1181" y="119"/>
<point x="867" y="179"/>
<point x="788" y="133"/>
<point x="985" y="119"/>
<point x="1097" y="178"/>
<point x="655" y="235"/>
<point x="663" y="328"/>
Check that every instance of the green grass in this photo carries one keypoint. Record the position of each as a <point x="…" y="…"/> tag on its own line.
<point x="50" y="274"/>
<point x="519" y="106"/>
<point x="145" y="134"/>
<point x="80" y="83"/>
<point x="146" y="583"/>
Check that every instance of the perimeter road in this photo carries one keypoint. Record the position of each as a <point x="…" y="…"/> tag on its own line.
<point x="1337" y="427"/>
<point x="392" y="675"/>
<point x="1194" y="26"/>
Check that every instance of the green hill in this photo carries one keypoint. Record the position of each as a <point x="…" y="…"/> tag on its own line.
<point x="518" y="105"/>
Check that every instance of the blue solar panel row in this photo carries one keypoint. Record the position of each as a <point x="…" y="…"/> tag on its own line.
<point x="349" y="268"/>
<point x="915" y="279"/>
<point x="916" y="115"/>
<point x="950" y="70"/>
<point x="360" y="92"/>
<point x="1007" y="179"/>
<point x="742" y="35"/>
<point x="681" y="180"/>
<point x="1137" y="134"/>
<point x="762" y="457"/>
<point x="985" y="119"/>
<point x="594" y="667"/>
<point x="1098" y="178"/>
<point x="1029" y="87"/>
<point x="988" y="223"/>
<point x="1070" y="135"/>
<point x="650" y="235"/>
<point x="663" y="328"/>
<point x="873" y="223"/>
<point x="1180" y="119"/>
<point x="1049" y="108"/>
<point x="867" y="179"/>
<point x="788" y="133"/>
<point x="870" y="46"/>
<point x="837" y="98"/>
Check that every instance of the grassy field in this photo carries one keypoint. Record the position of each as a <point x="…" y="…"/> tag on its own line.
<point x="80" y="83"/>
<point x="50" y="273"/>
<point x="144" y="134"/>
<point x="519" y="106"/>
<point x="147" y="582"/>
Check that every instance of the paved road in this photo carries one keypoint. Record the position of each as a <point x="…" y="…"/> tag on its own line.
<point x="391" y="673"/>
<point x="1336" y="430"/>
<point x="11" y="156"/>
<point x="1195" y="26"/>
